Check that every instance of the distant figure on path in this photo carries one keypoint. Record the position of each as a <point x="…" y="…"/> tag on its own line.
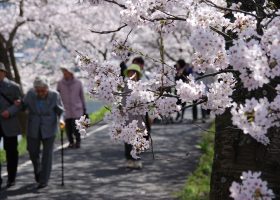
<point x="72" y="94"/>
<point x="134" y="73"/>
<point x="183" y="70"/>
<point x="139" y="61"/>
<point x="123" y="65"/>
<point x="9" y="123"/>
<point x="45" y="108"/>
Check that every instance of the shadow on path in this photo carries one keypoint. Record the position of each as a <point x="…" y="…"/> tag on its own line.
<point x="96" y="171"/>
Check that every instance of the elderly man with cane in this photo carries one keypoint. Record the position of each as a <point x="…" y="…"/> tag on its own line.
<point x="45" y="109"/>
<point x="9" y="123"/>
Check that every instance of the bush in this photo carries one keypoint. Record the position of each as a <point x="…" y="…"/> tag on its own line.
<point x="98" y="116"/>
<point x="21" y="149"/>
<point x="197" y="186"/>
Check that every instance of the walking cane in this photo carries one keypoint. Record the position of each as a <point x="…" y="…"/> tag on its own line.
<point x="62" y="153"/>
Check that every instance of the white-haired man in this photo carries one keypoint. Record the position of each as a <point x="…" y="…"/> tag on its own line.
<point x="45" y="109"/>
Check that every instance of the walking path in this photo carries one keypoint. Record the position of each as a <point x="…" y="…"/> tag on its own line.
<point x="96" y="171"/>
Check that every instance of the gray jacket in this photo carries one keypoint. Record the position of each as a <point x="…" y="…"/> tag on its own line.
<point x="11" y="90"/>
<point x="43" y="116"/>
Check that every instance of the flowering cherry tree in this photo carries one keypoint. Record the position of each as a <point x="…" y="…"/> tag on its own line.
<point x="239" y="43"/>
<point x="50" y="32"/>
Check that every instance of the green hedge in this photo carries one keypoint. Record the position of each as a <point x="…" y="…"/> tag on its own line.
<point x="21" y="149"/>
<point x="197" y="186"/>
<point x="98" y="116"/>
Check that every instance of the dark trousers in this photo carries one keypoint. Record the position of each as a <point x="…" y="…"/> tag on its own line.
<point x="10" y="146"/>
<point x="42" y="167"/>
<point x="204" y="112"/>
<point x="128" y="147"/>
<point x="194" y="111"/>
<point x="72" y="131"/>
<point x="127" y="150"/>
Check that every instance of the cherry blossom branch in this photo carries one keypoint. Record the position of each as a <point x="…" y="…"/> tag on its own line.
<point x="210" y="3"/>
<point x="21" y="8"/>
<point x="41" y="50"/>
<point x="116" y="3"/>
<point x="216" y="73"/>
<point x="14" y="31"/>
<point x="104" y="54"/>
<point x="61" y="42"/>
<point x="174" y="17"/>
<point x="220" y="32"/>
<point x="110" y="31"/>
<point x="2" y="39"/>
<point x="195" y="104"/>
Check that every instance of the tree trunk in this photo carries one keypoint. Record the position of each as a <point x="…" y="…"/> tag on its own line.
<point x="7" y="57"/>
<point x="4" y="58"/>
<point x="236" y="152"/>
<point x="14" y="65"/>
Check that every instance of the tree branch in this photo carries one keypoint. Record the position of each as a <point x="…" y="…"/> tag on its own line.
<point x="216" y="73"/>
<point x="116" y="3"/>
<point x="111" y="31"/>
<point x="208" y="2"/>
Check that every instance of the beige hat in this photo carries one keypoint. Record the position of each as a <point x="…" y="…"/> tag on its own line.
<point x="69" y="69"/>
<point x="2" y="67"/>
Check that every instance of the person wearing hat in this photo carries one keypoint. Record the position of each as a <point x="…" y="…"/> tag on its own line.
<point x="9" y="123"/>
<point x="133" y="72"/>
<point x="45" y="109"/>
<point x="72" y="94"/>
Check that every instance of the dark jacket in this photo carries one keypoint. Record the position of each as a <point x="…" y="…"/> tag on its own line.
<point x="11" y="92"/>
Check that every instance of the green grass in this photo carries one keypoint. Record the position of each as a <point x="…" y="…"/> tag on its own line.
<point x="197" y="186"/>
<point x="21" y="149"/>
<point x="98" y="116"/>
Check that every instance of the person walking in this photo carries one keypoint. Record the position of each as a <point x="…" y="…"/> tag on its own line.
<point x="9" y="123"/>
<point x="72" y="94"/>
<point x="133" y="72"/>
<point x="45" y="109"/>
<point x="183" y="70"/>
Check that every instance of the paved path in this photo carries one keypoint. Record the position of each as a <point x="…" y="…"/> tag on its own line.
<point x="96" y="171"/>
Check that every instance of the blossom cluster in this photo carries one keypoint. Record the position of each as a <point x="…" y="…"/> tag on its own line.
<point x="233" y="50"/>
<point x="219" y="94"/>
<point x="253" y="118"/>
<point x="209" y="50"/>
<point x="82" y="124"/>
<point x="190" y="91"/>
<point x="251" y="188"/>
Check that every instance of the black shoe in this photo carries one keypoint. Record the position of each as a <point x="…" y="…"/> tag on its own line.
<point x="37" y="176"/>
<point x="42" y="185"/>
<point x="10" y="184"/>
<point x="78" y="145"/>
<point x="71" y="146"/>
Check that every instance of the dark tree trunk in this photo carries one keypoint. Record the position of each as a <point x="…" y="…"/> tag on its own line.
<point x="14" y="65"/>
<point x="4" y="58"/>
<point x="236" y="152"/>
<point x="7" y="57"/>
